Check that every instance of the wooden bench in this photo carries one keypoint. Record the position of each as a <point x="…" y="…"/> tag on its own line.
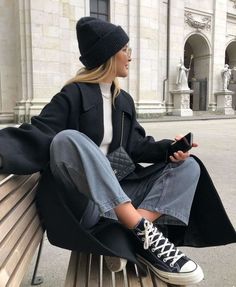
<point x="90" y="271"/>
<point x="20" y="228"/>
<point x="21" y="233"/>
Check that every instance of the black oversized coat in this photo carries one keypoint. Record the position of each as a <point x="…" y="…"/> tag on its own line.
<point x="25" y="150"/>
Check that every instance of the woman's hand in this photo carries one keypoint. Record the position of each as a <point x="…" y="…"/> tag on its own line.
<point x="180" y="155"/>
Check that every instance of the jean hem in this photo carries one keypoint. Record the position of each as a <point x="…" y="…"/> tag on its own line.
<point x="111" y="204"/>
<point x="183" y="218"/>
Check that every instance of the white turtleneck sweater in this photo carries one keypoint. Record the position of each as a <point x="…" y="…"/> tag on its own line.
<point x="107" y="116"/>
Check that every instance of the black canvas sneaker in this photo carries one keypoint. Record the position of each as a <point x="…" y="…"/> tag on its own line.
<point x="163" y="258"/>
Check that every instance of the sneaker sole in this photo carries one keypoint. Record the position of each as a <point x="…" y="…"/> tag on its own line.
<point x="186" y="278"/>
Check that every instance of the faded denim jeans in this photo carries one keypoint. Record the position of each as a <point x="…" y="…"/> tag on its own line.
<point x="79" y="163"/>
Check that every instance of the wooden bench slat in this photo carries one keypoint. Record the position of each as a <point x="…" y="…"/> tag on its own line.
<point x="11" y="184"/>
<point x="148" y="280"/>
<point x="118" y="279"/>
<point x="12" y="238"/>
<point x="15" y="197"/>
<point x="157" y="281"/>
<point x="81" y="271"/>
<point x="19" y="273"/>
<point x="5" y="177"/>
<point x="72" y="268"/>
<point x="94" y="276"/>
<point x="135" y="279"/>
<point x="19" y="249"/>
<point x="10" y="220"/>
<point x="109" y="278"/>
<point x="20" y="227"/>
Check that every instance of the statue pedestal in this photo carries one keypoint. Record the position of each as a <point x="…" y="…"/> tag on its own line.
<point x="181" y="100"/>
<point x="224" y="102"/>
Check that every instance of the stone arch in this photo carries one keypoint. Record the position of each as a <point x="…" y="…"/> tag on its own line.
<point x="230" y="54"/>
<point x="230" y="59"/>
<point x="197" y="58"/>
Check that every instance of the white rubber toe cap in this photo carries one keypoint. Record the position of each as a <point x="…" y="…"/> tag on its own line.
<point x="190" y="266"/>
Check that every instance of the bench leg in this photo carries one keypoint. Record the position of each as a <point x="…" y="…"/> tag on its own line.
<point x="37" y="280"/>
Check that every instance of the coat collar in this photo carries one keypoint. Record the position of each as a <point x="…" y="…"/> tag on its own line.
<point x="92" y="96"/>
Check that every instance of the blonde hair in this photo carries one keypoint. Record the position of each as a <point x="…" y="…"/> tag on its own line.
<point x="97" y="75"/>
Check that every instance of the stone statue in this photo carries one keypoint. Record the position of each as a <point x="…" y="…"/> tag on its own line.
<point x="182" y="76"/>
<point x="225" y="75"/>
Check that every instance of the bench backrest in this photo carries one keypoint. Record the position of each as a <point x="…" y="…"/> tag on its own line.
<point x="20" y="228"/>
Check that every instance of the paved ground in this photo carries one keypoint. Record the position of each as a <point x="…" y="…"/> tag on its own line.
<point x="217" y="141"/>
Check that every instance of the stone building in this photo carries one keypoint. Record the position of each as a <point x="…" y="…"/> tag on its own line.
<point x="39" y="52"/>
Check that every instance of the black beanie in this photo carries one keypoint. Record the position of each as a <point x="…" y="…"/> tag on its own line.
<point x="98" y="41"/>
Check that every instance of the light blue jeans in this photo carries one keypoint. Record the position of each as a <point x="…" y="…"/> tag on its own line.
<point x="78" y="162"/>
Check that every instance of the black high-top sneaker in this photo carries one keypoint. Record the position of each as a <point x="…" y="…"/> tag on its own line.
<point x="163" y="258"/>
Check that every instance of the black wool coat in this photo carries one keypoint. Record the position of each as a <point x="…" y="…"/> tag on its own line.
<point x="25" y="150"/>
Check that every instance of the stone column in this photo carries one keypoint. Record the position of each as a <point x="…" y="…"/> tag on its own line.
<point x="148" y="99"/>
<point x="24" y="56"/>
<point x="9" y="61"/>
<point x="218" y="49"/>
<point x="176" y="46"/>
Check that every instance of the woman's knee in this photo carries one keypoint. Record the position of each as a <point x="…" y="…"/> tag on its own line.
<point x="64" y="142"/>
<point x="65" y="138"/>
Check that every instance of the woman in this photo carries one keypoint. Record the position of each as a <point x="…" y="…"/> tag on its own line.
<point x="82" y="204"/>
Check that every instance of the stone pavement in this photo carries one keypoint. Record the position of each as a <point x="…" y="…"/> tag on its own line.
<point x="217" y="141"/>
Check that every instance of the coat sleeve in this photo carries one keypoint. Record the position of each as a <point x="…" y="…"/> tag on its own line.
<point x="25" y="150"/>
<point x="143" y="148"/>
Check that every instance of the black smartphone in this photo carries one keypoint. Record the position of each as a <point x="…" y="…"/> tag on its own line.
<point x="184" y="144"/>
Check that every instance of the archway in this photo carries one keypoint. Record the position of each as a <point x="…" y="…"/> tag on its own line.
<point x="230" y="59"/>
<point x="197" y="58"/>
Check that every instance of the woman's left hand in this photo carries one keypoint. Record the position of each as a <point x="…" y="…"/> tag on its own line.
<point x="179" y="156"/>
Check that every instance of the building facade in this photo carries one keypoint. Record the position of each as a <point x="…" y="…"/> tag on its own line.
<point x="39" y="52"/>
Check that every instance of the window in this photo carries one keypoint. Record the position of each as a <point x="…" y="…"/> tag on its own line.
<point x="100" y="9"/>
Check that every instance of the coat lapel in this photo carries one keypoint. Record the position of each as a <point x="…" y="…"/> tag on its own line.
<point x="91" y="95"/>
<point x="92" y="106"/>
<point x="91" y="118"/>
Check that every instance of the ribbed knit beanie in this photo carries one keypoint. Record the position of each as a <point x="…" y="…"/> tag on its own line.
<point x="98" y="41"/>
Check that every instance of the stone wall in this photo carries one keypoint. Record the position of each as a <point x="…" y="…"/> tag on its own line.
<point x="39" y="52"/>
<point x="8" y="60"/>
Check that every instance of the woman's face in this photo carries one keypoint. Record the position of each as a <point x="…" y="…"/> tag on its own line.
<point x="122" y="59"/>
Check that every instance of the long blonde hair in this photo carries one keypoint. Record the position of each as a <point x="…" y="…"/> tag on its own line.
<point x="97" y="75"/>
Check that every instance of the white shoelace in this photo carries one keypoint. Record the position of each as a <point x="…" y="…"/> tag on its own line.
<point x="152" y="237"/>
